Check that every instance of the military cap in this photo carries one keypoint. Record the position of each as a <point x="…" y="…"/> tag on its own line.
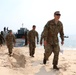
<point x="57" y="13"/>
<point x="10" y="31"/>
<point x="34" y="26"/>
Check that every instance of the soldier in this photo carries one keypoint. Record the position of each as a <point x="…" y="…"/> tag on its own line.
<point x="31" y="40"/>
<point x="51" y="42"/>
<point x="10" y="41"/>
<point x="1" y="40"/>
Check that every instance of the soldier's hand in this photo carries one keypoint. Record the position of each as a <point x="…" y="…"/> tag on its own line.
<point x="45" y="43"/>
<point x="28" y="42"/>
<point x="62" y="42"/>
<point x="1" y="45"/>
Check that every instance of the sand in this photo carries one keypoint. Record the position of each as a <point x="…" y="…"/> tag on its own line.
<point x="22" y="64"/>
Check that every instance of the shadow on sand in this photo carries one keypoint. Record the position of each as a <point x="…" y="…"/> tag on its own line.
<point x="20" y="60"/>
<point x="43" y="71"/>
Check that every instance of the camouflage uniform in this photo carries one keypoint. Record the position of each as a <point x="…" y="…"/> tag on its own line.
<point x="51" y="31"/>
<point x="31" y="38"/>
<point x="1" y="39"/>
<point x="10" y="40"/>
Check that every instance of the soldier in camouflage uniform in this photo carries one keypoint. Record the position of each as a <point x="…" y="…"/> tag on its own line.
<point x="1" y="40"/>
<point x="31" y="40"/>
<point x="51" y="42"/>
<point x="10" y="42"/>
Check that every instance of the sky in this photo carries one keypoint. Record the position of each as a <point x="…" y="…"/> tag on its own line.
<point x="14" y="13"/>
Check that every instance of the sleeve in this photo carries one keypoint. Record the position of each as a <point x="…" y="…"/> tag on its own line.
<point x="62" y="33"/>
<point x="45" y="31"/>
<point x="28" y="35"/>
<point x="37" y="37"/>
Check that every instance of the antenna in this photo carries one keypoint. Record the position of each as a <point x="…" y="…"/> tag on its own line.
<point x="22" y="25"/>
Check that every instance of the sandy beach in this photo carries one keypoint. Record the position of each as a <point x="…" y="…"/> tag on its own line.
<point x="22" y="64"/>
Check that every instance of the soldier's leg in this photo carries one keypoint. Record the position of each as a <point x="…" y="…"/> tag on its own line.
<point x="56" y="56"/>
<point x="10" y="51"/>
<point x="30" y="50"/>
<point x="0" y="43"/>
<point x="48" y="51"/>
<point x="33" y="50"/>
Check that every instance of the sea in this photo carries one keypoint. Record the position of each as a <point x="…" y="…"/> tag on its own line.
<point x="69" y="43"/>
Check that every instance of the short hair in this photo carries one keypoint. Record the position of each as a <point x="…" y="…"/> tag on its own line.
<point x="57" y="13"/>
<point x="10" y="31"/>
<point x="33" y="26"/>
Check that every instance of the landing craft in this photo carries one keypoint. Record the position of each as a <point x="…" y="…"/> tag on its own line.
<point x="21" y="36"/>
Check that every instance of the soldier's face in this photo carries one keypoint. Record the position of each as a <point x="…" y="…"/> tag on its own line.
<point x="57" y="17"/>
<point x="10" y="32"/>
<point x="34" y="28"/>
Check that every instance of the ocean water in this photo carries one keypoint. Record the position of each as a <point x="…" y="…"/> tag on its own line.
<point x="70" y="43"/>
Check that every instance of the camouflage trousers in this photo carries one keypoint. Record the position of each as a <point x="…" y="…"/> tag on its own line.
<point x="48" y="51"/>
<point x="1" y="42"/>
<point x="10" y="47"/>
<point x="32" y="48"/>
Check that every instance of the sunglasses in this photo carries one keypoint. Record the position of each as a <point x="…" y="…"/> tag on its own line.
<point x="58" y="14"/>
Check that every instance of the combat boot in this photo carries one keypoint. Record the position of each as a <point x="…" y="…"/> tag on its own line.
<point x="32" y="55"/>
<point x="10" y="55"/>
<point x="44" y="61"/>
<point x="55" y="67"/>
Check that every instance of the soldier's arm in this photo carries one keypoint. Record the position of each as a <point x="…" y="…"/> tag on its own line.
<point x="62" y="33"/>
<point x="37" y="37"/>
<point x="28" y="36"/>
<point x="45" y="32"/>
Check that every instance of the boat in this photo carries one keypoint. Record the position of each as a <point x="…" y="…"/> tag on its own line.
<point x="66" y="36"/>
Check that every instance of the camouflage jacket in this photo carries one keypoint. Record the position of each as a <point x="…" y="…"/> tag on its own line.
<point x="51" y="31"/>
<point x="31" y="36"/>
<point x="10" y="39"/>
